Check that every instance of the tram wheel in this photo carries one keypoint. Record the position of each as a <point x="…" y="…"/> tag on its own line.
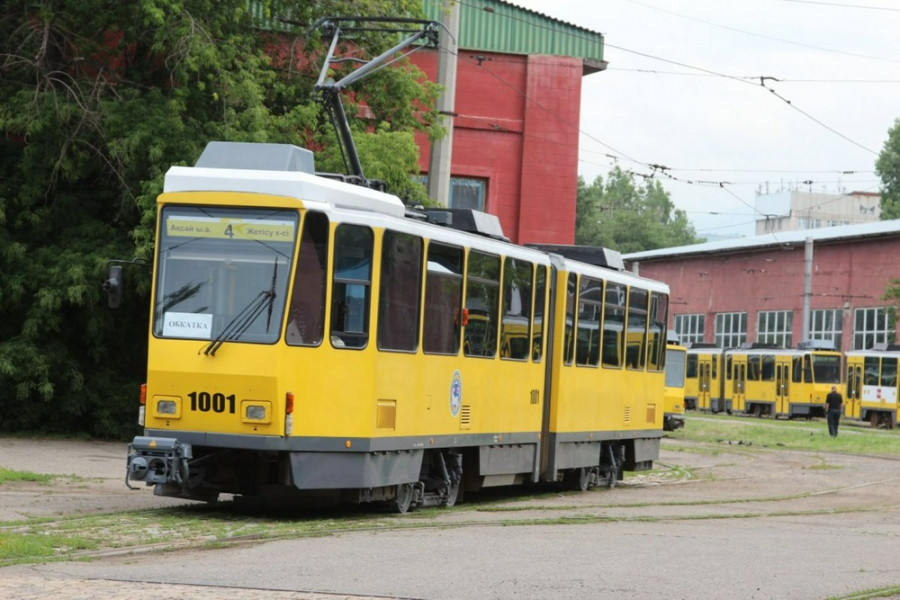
<point x="613" y="478"/>
<point x="403" y="499"/>
<point x="453" y="494"/>
<point x="578" y="479"/>
<point x="874" y="419"/>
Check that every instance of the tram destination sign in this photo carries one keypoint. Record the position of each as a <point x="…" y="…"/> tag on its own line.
<point x="272" y="230"/>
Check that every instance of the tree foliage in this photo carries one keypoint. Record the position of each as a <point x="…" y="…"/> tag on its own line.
<point x="97" y="100"/>
<point x="888" y="169"/>
<point x="623" y="216"/>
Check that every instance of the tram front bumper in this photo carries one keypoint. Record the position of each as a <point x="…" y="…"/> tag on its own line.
<point x="157" y="460"/>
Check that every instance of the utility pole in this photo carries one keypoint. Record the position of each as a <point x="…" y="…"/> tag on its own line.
<point x="442" y="150"/>
<point x="807" y="286"/>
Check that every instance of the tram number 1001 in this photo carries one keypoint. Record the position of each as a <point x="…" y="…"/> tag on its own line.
<point x="205" y="402"/>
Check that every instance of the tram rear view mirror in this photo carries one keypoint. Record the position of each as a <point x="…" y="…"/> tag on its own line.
<point x="113" y="286"/>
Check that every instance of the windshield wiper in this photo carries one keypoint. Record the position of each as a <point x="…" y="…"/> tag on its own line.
<point x="246" y="317"/>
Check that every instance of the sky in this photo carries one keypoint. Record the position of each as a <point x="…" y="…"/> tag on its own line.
<point x="738" y="97"/>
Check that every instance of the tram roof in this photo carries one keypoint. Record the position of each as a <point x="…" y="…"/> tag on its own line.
<point x="292" y="184"/>
<point x="781" y="239"/>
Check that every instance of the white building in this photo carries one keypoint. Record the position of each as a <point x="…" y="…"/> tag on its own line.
<point x="793" y="210"/>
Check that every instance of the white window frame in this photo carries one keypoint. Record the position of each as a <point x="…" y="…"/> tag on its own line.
<point x="775" y="327"/>
<point x="731" y="329"/>
<point x="690" y="328"/>
<point x="872" y="326"/>
<point x="827" y="324"/>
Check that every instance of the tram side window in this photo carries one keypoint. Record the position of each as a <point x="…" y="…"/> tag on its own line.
<point x="306" y="317"/>
<point x="515" y="328"/>
<point x="797" y="369"/>
<point x="569" y="350"/>
<point x="753" y="368"/>
<point x="351" y="286"/>
<point x="636" y="340"/>
<point x="614" y="325"/>
<point x="590" y="313"/>
<point x="398" y="302"/>
<point x="443" y="299"/>
<point x="691" y="368"/>
<point x="540" y="299"/>
<point x="768" y="367"/>
<point x="659" y="315"/>
<point x="482" y="300"/>
<point x="872" y="369"/>
<point x="807" y="368"/>
<point x="728" y="368"/>
<point x="888" y="372"/>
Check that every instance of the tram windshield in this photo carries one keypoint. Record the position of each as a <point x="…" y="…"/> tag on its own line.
<point x="826" y="369"/>
<point x="222" y="273"/>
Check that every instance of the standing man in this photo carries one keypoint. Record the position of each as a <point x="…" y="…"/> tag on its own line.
<point x="834" y="402"/>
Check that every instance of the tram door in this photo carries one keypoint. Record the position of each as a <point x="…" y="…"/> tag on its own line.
<point x="739" y="387"/>
<point x="782" y="388"/>
<point x="704" y="382"/>
<point x="854" y="390"/>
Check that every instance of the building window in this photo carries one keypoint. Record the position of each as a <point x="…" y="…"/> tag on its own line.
<point x="775" y="327"/>
<point x="465" y="192"/>
<point x="690" y="328"/>
<point x="873" y="326"/>
<point x="827" y="325"/>
<point x="731" y="329"/>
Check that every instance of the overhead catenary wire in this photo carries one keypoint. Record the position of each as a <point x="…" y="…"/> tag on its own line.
<point x="657" y="169"/>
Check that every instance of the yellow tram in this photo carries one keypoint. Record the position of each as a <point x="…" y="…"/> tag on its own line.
<point x="702" y="385"/>
<point x="780" y="381"/>
<point x="872" y="386"/>
<point x="313" y="338"/>
<point x="674" y="391"/>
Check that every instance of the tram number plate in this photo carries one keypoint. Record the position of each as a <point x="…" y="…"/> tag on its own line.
<point x="206" y="402"/>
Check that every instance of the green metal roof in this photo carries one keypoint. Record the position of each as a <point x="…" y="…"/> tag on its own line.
<point x="497" y="26"/>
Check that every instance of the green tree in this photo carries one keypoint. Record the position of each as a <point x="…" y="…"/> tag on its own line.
<point x="97" y="100"/>
<point x="888" y="169"/>
<point x="623" y="216"/>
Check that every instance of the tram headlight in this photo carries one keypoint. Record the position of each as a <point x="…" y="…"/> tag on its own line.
<point x="256" y="411"/>
<point x="166" y="407"/>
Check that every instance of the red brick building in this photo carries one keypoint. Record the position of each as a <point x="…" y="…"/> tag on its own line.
<point x="517" y="107"/>
<point x="753" y="289"/>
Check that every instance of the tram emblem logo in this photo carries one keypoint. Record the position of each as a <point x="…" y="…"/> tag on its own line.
<point x="455" y="393"/>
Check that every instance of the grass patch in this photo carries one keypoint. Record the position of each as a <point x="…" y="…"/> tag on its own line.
<point x="9" y="476"/>
<point x="780" y="433"/>
<point x="23" y="547"/>
<point x="885" y="592"/>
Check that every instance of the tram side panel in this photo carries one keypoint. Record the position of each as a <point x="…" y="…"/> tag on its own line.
<point x="674" y="391"/>
<point x="780" y="381"/>
<point x="607" y="384"/>
<point x="872" y="386"/>
<point x="703" y="383"/>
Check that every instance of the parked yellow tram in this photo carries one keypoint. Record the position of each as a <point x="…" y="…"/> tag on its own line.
<point x="872" y="386"/>
<point x="674" y="391"/>
<point x="702" y="385"/>
<point x="312" y="338"/>
<point x="780" y="381"/>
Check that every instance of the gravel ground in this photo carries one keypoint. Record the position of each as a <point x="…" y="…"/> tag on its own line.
<point x="738" y="523"/>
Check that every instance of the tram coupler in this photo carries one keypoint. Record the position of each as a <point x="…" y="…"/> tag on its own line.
<point x="157" y="461"/>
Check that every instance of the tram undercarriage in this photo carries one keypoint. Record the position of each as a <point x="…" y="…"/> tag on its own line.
<point x="401" y="479"/>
